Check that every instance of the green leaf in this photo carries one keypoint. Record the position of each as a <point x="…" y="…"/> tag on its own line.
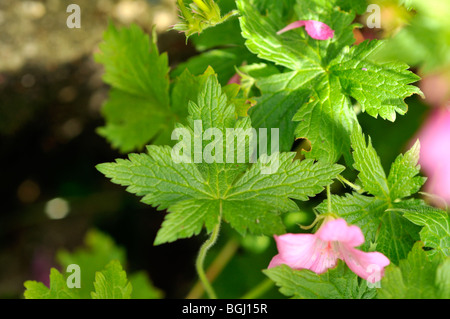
<point x="443" y="279"/>
<point x="417" y="277"/>
<point x="326" y="120"/>
<point x="133" y="64"/>
<point x="132" y="121"/>
<point x="187" y="218"/>
<point x="279" y="8"/>
<point x="137" y="110"/>
<point x="186" y="88"/>
<point x="99" y="249"/>
<point x="143" y="288"/>
<point x="290" y="50"/>
<point x="379" y="88"/>
<point x="367" y="162"/>
<point x="330" y="13"/>
<point x="112" y="283"/>
<point x="250" y="74"/>
<point x="276" y="109"/>
<point x="330" y="72"/>
<point x="397" y="235"/>
<point x="295" y="49"/>
<point x="250" y="196"/>
<point x="337" y="283"/>
<point x="359" y="6"/>
<point x="436" y="230"/>
<point x="58" y="288"/>
<point x="402" y="179"/>
<point x="223" y="61"/>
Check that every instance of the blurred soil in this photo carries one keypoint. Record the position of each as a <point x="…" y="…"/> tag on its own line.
<point x="51" y="95"/>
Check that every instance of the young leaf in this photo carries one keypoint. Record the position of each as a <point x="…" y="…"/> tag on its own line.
<point x="337" y="283"/>
<point x="197" y="193"/>
<point x="403" y="180"/>
<point x="417" y="277"/>
<point x="367" y="162"/>
<point x="58" y="288"/>
<point x="137" y="110"/>
<point x="112" y="283"/>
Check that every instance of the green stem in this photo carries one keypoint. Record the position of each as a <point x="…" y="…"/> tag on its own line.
<point x="259" y="290"/>
<point x="215" y="268"/>
<point x="346" y="181"/>
<point x="201" y="258"/>
<point x="329" y="199"/>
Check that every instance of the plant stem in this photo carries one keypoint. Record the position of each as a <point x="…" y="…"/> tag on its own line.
<point x="346" y="181"/>
<point x="329" y="199"/>
<point x="259" y="290"/>
<point x="201" y="258"/>
<point x="216" y="267"/>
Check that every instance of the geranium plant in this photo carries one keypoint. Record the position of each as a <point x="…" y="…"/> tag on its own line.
<point x="263" y="119"/>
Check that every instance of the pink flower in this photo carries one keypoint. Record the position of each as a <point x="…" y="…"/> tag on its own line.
<point x="435" y="153"/>
<point x="320" y="251"/>
<point x="436" y="88"/>
<point x="316" y="29"/>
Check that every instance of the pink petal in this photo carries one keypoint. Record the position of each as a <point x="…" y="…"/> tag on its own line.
<point x="436" y="88"/>
<point x="291" y="247"/>
<point x="435" y="152"/>
<point x="369" y="266"/>
<point x="435" y="139"/>
<point x="316" y="29"/>
<point x="276" y="261"/>
<point x="439" y="184"/>
<point x="293" y="25"/>
<point x="304" y="251"/>
<point x="325" y="256"/>
<point x="338" y="231"/>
